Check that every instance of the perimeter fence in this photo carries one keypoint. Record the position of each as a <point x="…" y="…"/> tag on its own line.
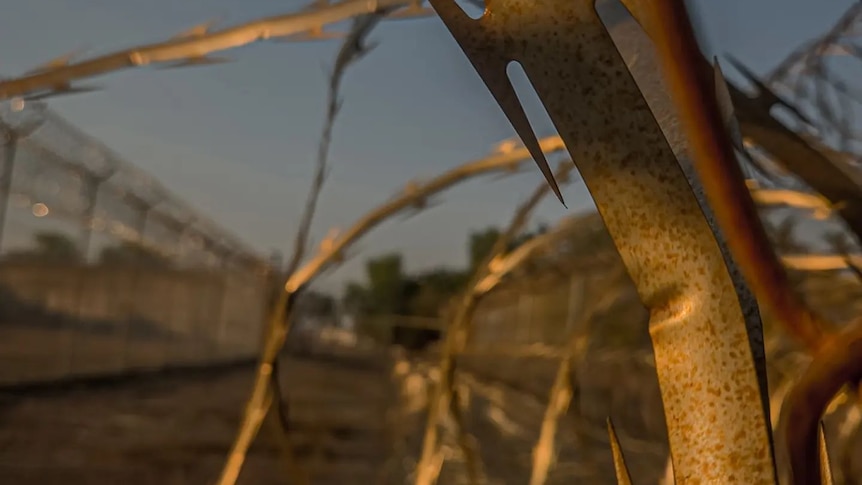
<point x="104" y="270"/>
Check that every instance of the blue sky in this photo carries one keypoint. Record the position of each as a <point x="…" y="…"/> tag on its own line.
<point x="238" y="140"/>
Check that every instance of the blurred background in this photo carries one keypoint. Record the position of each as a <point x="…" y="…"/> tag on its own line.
<point x="146" y="225"/>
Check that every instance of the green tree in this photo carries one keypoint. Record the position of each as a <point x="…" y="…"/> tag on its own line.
<point x="131" y="254"/>
<point x="385" y="284"/>
<point x="355" y="299"/>
<point x="783" y="235"/>
<point x="433" y="290"/>
<point x="481" y="242"/>
<point x="480" y="245"/>
<point x="50" y="246"/>
<point x="316" y="305"/>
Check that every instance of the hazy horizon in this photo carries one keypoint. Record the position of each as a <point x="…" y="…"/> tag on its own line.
<point x="238" y="140"/>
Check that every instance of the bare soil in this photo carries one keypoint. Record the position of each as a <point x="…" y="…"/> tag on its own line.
<point x="345" y="425"/>
<point x="177" y="430"/>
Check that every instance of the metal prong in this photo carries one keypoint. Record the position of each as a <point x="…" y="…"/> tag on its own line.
<point x="60" y="61"/>
<point x="728" y="114"/>
<point x="314" y="34"/>
<point x="825" y="467"/>
<point x="622" y="472"/>
<point x="196" y="61"/>
<point x="199" y="30"/>
<point x="764" y="92"/>
<point x="490" y="62"/>
<point x="61" y="91"/>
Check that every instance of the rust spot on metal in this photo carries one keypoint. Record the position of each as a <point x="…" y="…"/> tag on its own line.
<point x="826" y="477"/>
<point x="717" y="426"/>
<point x="620" y="468"/>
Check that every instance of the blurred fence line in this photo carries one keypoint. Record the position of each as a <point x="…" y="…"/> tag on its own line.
<point x="104" y="270"/>
<point x="521" y="332"/>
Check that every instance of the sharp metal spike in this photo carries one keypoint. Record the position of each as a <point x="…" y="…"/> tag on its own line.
<point x="622" y="472"/>
<point x="368" y="47"/>
<point x="60" y="61"/>
<point x="490" y="62"/>
<point x="728" y="114"/>
<point x="315" y="5"/>
<point x="196" y="61"/>
<point x="412" y="11"/>
<point x="725" y="105"/>
<point x="427" y="205"/>
<point x="410" y="215"/>
<point x="765" y="93"/>
<point x="61" y="91"/>
<point x="197" y="31"/>
<point x="318" y="32"/>
<point x="746" y="72"/>
<point x="430" y="204"/>
<point x="825" y="467"/>
<point x="313" y="34"/>
<point x="339" y="103"/>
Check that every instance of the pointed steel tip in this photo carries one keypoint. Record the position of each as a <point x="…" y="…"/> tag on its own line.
<point x="61" y="92"/>
<point x="620" y="468"/>
<point x="826" y="477"/>
<point x="739" y="66"/>
<point x="733" y="60"/>
<point x="540" y="160"/>
<point x="612" y="432"/>
<point x="556" y="189"/>
<point x="716" y="66"/>
<point x="745" y="71"/>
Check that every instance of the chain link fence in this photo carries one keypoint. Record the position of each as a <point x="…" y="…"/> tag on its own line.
<point x="577" y="307"/>
<point x="103" y="270"/>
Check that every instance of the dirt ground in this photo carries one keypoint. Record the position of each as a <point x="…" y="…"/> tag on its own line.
<point x="176" y="430"/>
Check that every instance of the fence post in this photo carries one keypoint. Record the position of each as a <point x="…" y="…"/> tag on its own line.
<point x="126" y="330"/>
<point x="7" y="159"/>
<point x="145" y="208"/>
<point x="77" y="327"/>
<point x="220" y="350"/>
<point x="577" y="301"/>
<point x="524" y="310"/>
<point x="90" y="193"/>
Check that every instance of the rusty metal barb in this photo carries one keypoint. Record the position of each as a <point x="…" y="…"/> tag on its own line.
<point x="620" y="468"/>
<point x="826" y="477"/>
<point x="691" y="80"/>
<point x="834" y="365"/>
<point x="820" y="168"/>
<point x="835" y="359"/>
<point x="491" y="66"/>
<point x="353" y="48"/>
<point x="407" y="199"/>
<point x="279" y="321"/>
<point x="444" y="397"/>
<point x="192" y="47"/>
<point x="655" y="221"/>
